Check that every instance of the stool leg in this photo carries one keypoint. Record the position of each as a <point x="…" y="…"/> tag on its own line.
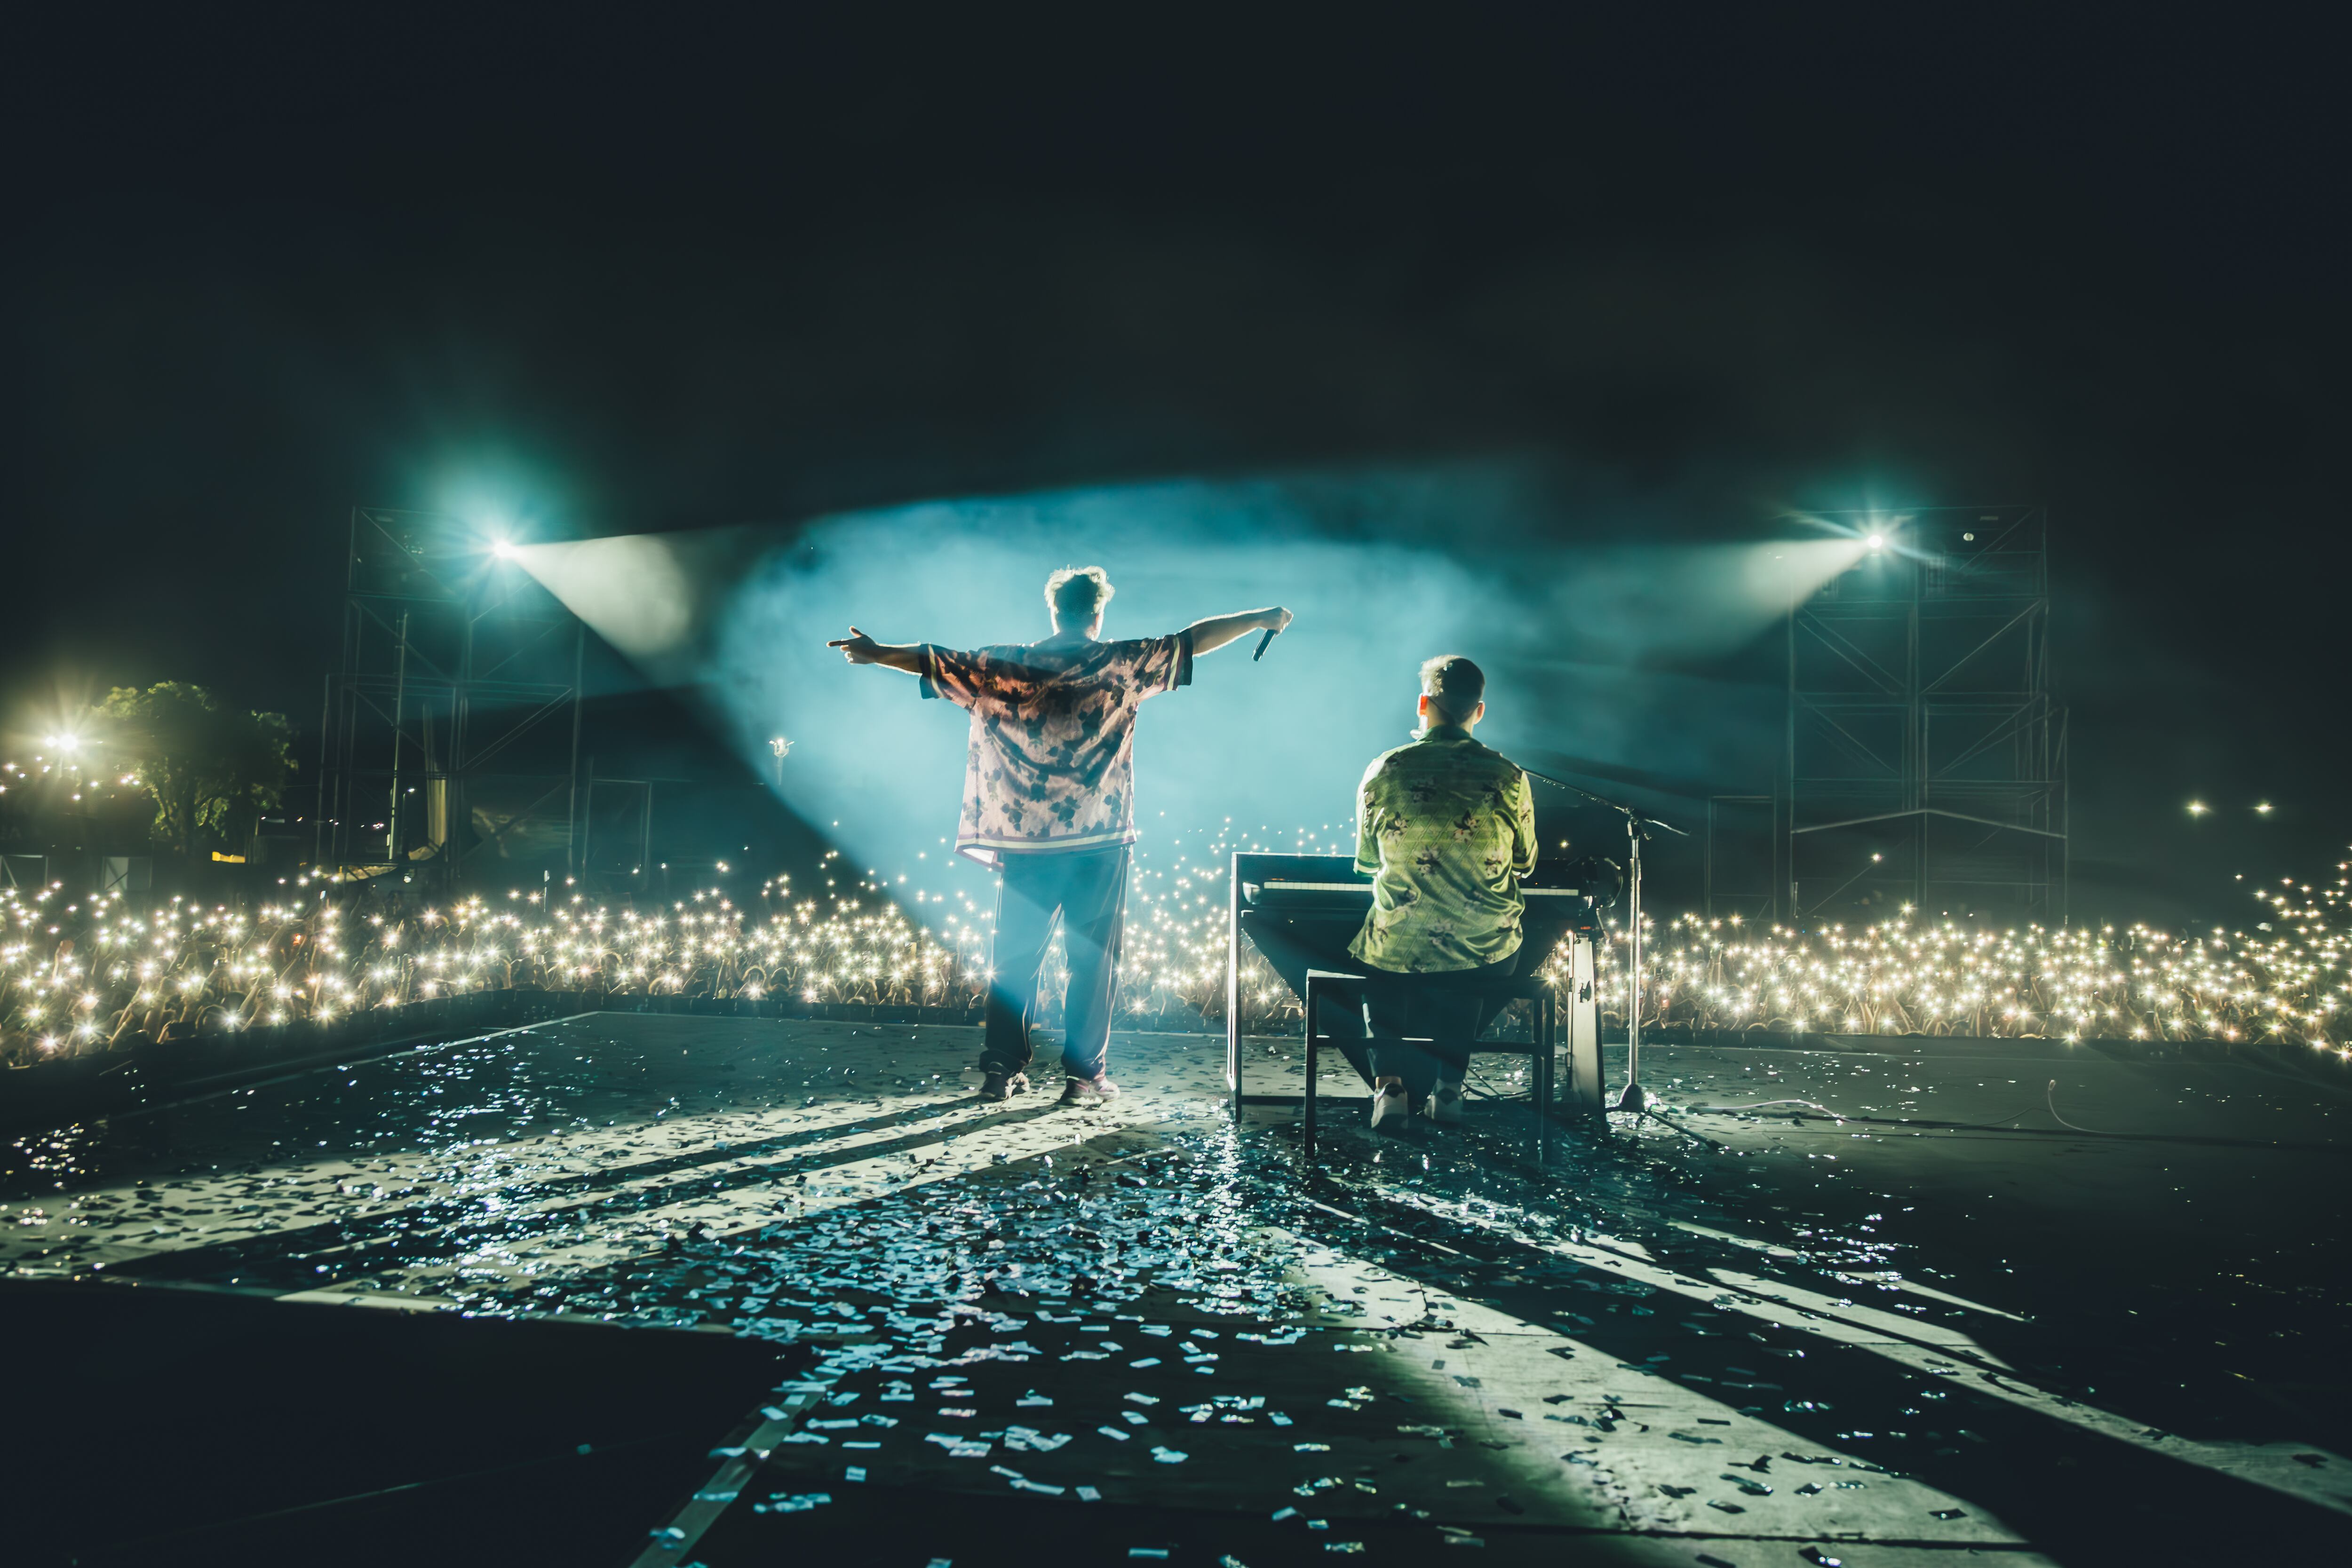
<point x="1544" y="1046"/>
<point x="1313" y="999"/>
<point x="1543" y="1032"/>
<point x="1535" y="1099"/>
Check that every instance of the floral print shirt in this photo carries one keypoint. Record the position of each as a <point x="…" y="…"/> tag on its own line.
<point x="1445" y="827"/>
<point x="1052" y="761"/>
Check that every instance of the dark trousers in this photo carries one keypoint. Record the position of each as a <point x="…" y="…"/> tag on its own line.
<point x="1083" y="892"/>
<point x="1404" y="1010"/>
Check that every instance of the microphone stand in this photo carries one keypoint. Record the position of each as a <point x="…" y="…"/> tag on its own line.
<point x="1634" y="1098"/>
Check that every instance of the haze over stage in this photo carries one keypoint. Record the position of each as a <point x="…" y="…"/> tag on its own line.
<point x="1946" y="1336"/>
<point x="1618" y="649"/>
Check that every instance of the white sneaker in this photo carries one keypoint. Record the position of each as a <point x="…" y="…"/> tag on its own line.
<point x="1445" y="1105"/>
<point x="1388" y="1101"/>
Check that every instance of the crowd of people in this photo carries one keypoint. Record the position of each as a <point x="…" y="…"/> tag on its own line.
<point x="1085" y="935"/>
<point x="106" y="973"/>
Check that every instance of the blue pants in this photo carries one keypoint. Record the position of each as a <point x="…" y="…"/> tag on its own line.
<point x="1083" y="892"/>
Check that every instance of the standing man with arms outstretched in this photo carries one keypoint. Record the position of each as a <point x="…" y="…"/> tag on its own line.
<point x="1049" y="802"/>
<point x="1445" y="827"/>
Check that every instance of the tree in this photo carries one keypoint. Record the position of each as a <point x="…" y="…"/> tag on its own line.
<point x="211" y="768"/>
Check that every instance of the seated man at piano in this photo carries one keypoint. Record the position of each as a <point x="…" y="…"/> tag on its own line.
<point x="1445" y="827"/>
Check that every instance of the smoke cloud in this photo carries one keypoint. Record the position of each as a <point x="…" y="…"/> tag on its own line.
<point x="1590" y="650"/>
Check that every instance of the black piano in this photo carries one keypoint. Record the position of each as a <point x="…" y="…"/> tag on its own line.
<point x="1301" y="911"/>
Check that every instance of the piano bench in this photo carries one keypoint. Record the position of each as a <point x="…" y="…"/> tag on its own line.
<point x="1542" y="1049"/>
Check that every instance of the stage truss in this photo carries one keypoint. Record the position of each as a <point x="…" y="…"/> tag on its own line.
<point x="450" y="735"/>
<point x="1924" y="757"/>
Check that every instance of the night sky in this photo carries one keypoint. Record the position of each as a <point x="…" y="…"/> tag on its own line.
<point x="620" y="274"/>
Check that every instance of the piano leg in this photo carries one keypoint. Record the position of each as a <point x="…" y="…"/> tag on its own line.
<point x="1233" y="990"/>
<point x="1585" y="1087"/>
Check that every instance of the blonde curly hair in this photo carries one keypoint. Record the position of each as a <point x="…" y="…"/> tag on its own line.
<point x="1077" y="594"/>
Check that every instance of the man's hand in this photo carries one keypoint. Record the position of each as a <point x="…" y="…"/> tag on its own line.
<point x="1219" y="630"/>
<point x="858" y="648"/>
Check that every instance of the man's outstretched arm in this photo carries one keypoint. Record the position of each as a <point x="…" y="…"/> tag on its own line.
<point x="1219" y="630"/>
<point x="860" y="649"/>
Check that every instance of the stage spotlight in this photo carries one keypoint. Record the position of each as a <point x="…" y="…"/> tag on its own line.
<point x="2198" y="808"/>
<point x="503" y="548"/>
<point x="66" y="744"/>
<point x="1877" y="541"/>
<point x="2262" y="809"/>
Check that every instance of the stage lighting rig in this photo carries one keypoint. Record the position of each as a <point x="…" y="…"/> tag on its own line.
<point x="451" y="725"/>
<point x="1922" y="722"/>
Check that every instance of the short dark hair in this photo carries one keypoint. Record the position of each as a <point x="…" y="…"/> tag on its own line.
<point x="1077" y="593"/>
<point x="1453" y="685"/>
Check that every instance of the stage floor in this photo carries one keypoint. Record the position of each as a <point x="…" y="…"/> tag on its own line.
<point x="500" y="1300"/>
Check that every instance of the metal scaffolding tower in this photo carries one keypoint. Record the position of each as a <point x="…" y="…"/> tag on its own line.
<point x="451" y="732"/>
<point x="1925" y="762"/>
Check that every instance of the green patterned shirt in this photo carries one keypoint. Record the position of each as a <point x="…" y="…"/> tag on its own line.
<point x="1445" y="827"/>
